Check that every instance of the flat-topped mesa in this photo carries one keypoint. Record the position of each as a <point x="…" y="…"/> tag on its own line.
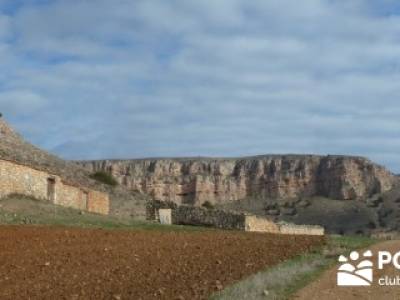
<point x="196" y="180"/>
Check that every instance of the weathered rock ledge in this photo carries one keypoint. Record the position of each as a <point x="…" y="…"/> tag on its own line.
<point x="196" y="180"/>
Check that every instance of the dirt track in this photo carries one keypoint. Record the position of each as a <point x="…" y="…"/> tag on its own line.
<point x="325" y="287"/>
<point x="65" y="263"/>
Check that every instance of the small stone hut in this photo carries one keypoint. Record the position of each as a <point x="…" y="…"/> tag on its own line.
<point x="28" y="170"/>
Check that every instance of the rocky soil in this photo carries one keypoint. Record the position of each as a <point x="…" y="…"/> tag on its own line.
<point x="66" y="263"/>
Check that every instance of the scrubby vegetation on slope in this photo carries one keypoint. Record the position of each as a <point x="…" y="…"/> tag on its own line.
<point x="105" y="178"/>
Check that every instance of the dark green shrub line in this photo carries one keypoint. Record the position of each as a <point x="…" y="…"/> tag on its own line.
<point x="104" y="177"/>
<point x="208" y="205"/>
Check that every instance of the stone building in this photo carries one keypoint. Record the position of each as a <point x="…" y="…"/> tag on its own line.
<point x="198" y="216"/>
<point x="27" y="170"/>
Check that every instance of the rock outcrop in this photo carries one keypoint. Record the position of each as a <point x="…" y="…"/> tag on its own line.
<point x="196" y="180"/>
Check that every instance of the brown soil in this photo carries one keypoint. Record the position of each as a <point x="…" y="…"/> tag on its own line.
<point x="72" y="263"/>
<point x="325" y="287"/>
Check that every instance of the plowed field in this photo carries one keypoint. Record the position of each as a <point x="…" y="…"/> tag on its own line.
<point x="73" y="263"/>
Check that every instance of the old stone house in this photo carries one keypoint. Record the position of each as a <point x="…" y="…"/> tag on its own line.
<point x="30" y="171"/>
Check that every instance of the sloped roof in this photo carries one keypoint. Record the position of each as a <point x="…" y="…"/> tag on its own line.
<point x="14" y="148"/>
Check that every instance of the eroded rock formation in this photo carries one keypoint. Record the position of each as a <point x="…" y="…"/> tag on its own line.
<point x="196" y="180"/>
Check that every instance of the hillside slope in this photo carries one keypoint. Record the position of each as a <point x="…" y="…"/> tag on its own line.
<point x="13" y="147"/>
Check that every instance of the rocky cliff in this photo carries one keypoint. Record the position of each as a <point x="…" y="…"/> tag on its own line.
<point x="196" y="180"/>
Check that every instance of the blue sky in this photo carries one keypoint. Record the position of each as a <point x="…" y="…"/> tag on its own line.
<point x="128" y="79"/>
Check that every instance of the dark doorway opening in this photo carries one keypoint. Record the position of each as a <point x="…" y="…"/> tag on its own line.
<point x="85" y="200"/>
<point x="51" y="189"/>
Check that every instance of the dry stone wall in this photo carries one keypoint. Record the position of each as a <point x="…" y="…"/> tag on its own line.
<point x="197" y="216"/>
<point x="258" y="224"/>
<point x="301" y="229"/>
<point x="189" y="215"/>
<point x="153" y="208"/>
<point x="20" y="179"/>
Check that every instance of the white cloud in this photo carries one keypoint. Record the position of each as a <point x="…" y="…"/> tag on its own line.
<point x="225" y="77"/>
<point x="21" y="102"/>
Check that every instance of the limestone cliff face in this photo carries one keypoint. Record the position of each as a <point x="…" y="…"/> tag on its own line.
<point x="196" y="180"/>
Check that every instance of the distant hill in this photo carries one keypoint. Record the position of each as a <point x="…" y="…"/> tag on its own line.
<point x="218" y="180"/>
<point x="345" y="194"/>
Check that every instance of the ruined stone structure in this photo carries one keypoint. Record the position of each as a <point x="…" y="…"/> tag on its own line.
<point x="258" y="224"/>
<point x="20" y="179"/>
<point x="190" y="215"/>
<point x="196" y="180"/>
<point x="29" y="171"/>
<point x="165" y="215"/>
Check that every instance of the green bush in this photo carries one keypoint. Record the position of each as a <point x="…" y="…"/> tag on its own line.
<point x="105" y="178"/>
<point x="208" y="205"/>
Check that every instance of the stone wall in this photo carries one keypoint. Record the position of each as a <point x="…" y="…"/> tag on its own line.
<point x="98" y="202"/>
<point x="258" y="224"/>
<point x="301" y="229"/>
<point x="189" y="215"/>
<point x="20" y="179"/>
<point x="153" y="207"/>
<point x="197" y="216"/>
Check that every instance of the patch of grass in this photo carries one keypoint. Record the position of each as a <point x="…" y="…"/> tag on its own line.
<point x="105" y="178"/>
<point x="283" y="280"/>
<point x="350" y="242"/>
<point x="18" y="209"/>
<point x="309" y="271"/>
<point x="86" y="221"/>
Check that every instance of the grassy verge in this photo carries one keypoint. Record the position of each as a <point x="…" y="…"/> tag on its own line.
<point x="286" y="278"/>
<point x="88" y="221"/>
<point x="18" y="210"/>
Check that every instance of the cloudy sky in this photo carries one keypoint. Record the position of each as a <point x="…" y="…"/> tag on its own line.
<point x="142" y="78"/>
